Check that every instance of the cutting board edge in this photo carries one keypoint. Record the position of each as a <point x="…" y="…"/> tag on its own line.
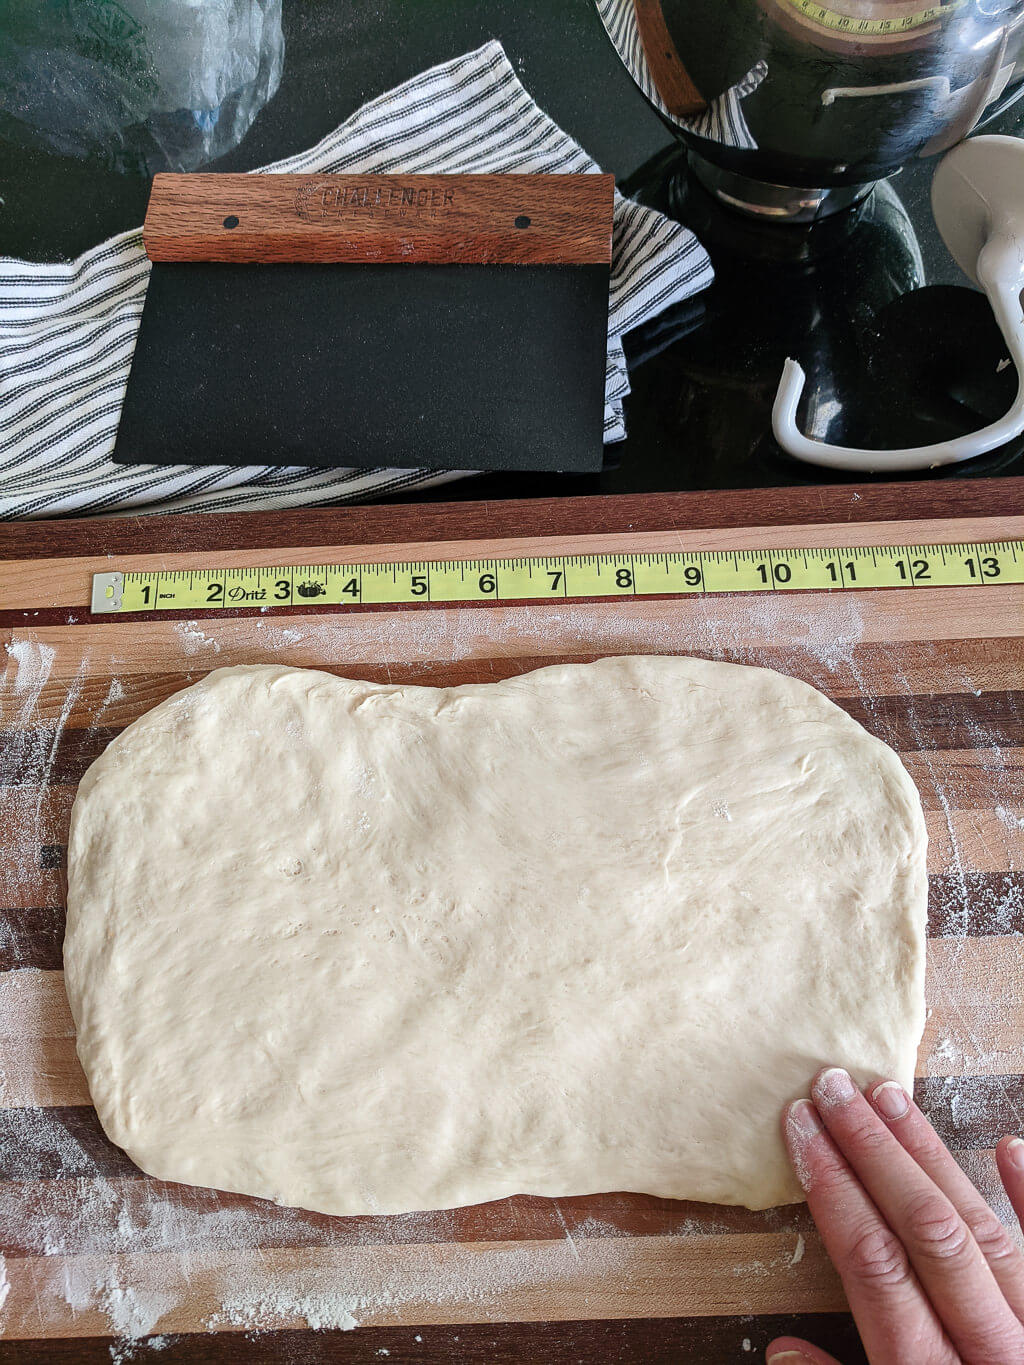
<point x="470" y="519"/>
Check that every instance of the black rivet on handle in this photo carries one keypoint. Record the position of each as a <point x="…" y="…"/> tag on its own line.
<point x="522" y="221"/>
<point x="230" y="221"/>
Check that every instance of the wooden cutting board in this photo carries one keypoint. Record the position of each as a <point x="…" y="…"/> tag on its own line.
<point x="104" y="1263"/>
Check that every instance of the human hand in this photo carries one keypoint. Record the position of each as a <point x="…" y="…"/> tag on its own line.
<point x="931" y="1275"/>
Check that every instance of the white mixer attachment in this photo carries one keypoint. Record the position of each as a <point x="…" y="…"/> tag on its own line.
<point x="978" y="202"/>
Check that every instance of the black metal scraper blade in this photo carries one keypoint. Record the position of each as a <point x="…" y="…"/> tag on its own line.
<point x="452" y="366"/>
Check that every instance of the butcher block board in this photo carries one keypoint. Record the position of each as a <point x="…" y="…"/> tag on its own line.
<point x="103" y="1263"/>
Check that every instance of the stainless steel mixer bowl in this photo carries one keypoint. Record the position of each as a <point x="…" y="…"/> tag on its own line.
<point x="795" y="107"/>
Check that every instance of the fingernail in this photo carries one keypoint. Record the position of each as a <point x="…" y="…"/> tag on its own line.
<point x="787" y="1356"/>
<point x="803" y="1117"/>
<point x="835" y="1086"/>
<point x="890" y="1099"/>
<point x="1015" y="1151"/>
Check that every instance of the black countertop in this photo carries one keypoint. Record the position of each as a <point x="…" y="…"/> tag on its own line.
<point x="897" y="346"/>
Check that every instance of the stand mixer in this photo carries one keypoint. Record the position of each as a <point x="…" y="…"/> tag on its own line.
<point x="792" y="110"/>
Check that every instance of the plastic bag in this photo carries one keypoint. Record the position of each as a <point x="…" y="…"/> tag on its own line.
<point x="144" y="85"/>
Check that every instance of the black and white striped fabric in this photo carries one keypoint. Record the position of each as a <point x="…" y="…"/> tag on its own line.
<point x="723" y="119"/>
<point x="67" y="331"/>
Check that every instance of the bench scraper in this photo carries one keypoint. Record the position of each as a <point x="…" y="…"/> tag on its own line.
<point x="455" y="322"/>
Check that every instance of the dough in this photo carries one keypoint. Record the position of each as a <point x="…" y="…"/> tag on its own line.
<point x="367" y="948"/>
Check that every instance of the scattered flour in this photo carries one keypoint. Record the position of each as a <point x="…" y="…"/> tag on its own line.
<point x="33" y="662"/>
<point x="192" y="638"/>
<point x="944" y="1052"/>
<point x="743" y="630"/>
<point x="115" y="692"/>
<point x="27" y="757"/>
<point x="322" y="1296"/>
<point x="132" y="1311"/>
<point x="259" y="1308"/>
<point x="128" y="1350"/>
<point x="798" y="1250"/>
<point x="278" y="637"/>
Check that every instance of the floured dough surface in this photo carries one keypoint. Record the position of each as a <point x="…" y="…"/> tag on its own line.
<point x="368" y="948"/>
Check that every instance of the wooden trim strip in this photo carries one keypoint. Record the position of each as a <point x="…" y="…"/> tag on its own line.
<point x="61" y="756"/>
<point x="467" y="520"/>
<point x="963" y="846"/>
<point x="39" y="1072"/>
<point x="37" y="618"/>
<point x="973" y="1028"/>
<point x="70" y="1217"/>
<point x="975" y="905"/>
<point x="39" y="815"/>
<point x="66" y="1142"/>
<point x="967" y="778"/>
<point x="32" y="888"/>
<point x="972" y="800"/>
<point x="978" y="824"/>
<point x="415" y="1283"/>
<point x="972" y="1112"/>
<point x="32" y="937"/>
<point x="33" y="1008"/>
<point x="944" y="721"/>
<point x="967" y="834"/>
<point x="951" y="720"/>
<point x="632" y="1341"/>
<point x="173" y="655"/>
<point x="868" y="630"/>
<point x="975" y="995"/>
<point x="966" y="903"/>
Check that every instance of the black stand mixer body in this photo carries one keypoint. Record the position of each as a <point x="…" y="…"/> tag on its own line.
<point x="825" y="96"/>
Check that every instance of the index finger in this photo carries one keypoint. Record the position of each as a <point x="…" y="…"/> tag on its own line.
<point x="892" y="1312"/>
<point x="948" y="1261"/>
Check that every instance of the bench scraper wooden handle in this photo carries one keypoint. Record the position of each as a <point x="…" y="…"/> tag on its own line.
<point x="411" y="219"/>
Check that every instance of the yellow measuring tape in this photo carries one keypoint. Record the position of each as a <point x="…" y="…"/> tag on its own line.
<point x="872" y="28"/>
<point x="551" y="578"/>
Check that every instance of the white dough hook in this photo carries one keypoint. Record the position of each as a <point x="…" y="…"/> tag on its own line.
<point x="978" y="202"/>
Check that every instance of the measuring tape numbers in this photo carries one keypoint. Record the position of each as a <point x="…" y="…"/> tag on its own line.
<point x="551" y="578"/>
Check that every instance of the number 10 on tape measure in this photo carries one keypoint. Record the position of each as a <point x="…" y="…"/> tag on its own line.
<point x="559" y="577"/>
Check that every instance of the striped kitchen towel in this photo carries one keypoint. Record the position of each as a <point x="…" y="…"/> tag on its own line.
<point x="722" y="121"/>
<point x="67" y="331"/>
